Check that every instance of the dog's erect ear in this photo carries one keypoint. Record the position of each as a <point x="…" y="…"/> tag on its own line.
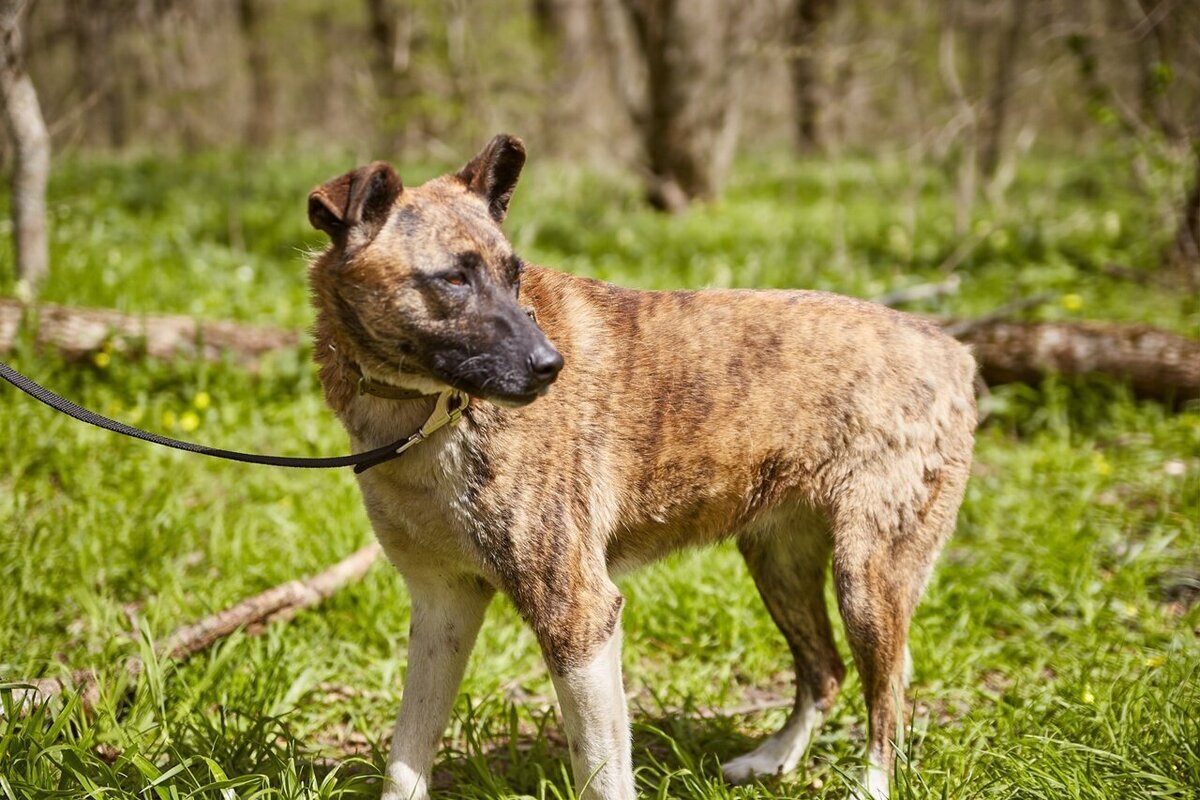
<point x="359" y="198"/>
<point x="494" y="171"/>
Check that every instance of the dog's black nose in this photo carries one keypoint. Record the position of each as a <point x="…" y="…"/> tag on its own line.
<point x="545" y="362"/>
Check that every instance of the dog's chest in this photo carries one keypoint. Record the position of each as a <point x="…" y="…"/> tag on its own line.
<point x="421" y="505"/>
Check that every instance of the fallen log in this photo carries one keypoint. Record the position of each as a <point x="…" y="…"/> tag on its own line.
<point x="1158" y="364"/>
<point x="251" y="614"/>
<point x="79" y="332"/>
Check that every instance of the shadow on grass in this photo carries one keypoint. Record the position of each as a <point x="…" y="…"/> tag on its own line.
<point x="522" y="751"/>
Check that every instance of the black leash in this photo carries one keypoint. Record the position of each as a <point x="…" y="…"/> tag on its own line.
<point x="450" y="406"/>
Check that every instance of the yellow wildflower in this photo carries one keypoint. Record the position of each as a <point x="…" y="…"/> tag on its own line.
<point x="1087" y="695"/>
<point x="1072" y="302"/>
<point x="189" y="421"/>
<point x="168" y="419"/>
<point x="202" y="400"/>
<point x="101" y="359"/>
<point x="1101" y="464"/>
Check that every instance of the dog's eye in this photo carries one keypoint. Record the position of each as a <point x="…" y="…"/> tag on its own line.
<point x="455" y="278"/>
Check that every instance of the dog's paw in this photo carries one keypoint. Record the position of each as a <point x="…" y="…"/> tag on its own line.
<point x="750" y="767"/>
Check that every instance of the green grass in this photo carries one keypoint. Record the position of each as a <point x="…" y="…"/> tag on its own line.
<point x="1056" y="654"/>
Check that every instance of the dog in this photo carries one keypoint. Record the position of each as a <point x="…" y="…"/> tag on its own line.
<point x="807" y="427"/>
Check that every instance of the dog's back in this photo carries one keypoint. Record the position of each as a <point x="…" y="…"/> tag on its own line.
<point x="682" y="416"/>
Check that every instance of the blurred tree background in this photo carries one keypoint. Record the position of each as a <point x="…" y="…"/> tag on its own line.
<point x="671" y="89"/>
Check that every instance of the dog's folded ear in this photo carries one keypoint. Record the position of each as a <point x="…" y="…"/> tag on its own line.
<point x="493" y="173"/>
<point x="357" y="200"/>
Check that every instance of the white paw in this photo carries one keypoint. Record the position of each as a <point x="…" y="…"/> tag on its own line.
<point x="874" y="785"/>
<point x="750" y="766"/>
<point x="404" y="783"/>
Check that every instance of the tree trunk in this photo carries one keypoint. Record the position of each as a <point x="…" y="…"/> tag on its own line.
<point x="260" y="122"/>
<point x="31" y="171"/>
<point x="1153" y="57"/>
<point x="1186" y="251"/>
<point x="808" y="18"/>
<point x="966" y="172"/>
<point x="573" y="117"/>
<point x="996" y="115"/>
<point x="694" y="57"/>
<point x="389" y="34"/>
<point x="93" y="76"/>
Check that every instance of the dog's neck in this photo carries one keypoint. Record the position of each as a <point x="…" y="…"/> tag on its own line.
<point x="371" y="419"/>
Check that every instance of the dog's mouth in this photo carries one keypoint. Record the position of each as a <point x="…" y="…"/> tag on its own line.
<point x="513" y="400"/>
<point x="503" y="390"/>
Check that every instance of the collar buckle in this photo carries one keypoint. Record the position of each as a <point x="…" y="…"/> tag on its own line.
<point x="448" y="410"/>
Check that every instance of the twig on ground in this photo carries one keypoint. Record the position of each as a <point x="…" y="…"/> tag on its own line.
<point x="757" y="707"/>
<point x="961" y="328"/>
<point x="964" y="249"/>
<point x="921" y="291"/>
<point x="252" y="614"/>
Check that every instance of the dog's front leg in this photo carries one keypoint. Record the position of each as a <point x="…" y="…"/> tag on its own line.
<point x="587" y="679"/>
<point x="446" y="614"/>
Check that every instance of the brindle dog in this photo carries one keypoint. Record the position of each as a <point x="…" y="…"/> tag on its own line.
<point x="799" y="424"/>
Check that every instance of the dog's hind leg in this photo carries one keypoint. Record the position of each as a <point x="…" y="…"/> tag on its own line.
<point x="446" y="614"/>
<point x="883" y="554"/>
<point x="788" y="556"/>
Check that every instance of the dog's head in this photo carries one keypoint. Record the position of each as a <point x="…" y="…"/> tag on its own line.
<point x="422" y="286"/>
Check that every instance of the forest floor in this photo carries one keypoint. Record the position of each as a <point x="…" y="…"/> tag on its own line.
<point x="1057" y="652"/>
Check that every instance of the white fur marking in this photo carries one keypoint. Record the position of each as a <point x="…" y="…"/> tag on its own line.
<point x="781" y="752"/>
<point x="876" y="781"/>
<point x="597" y="725"/>
<point x="445" y="622"/>
<point x="877" y="778"/>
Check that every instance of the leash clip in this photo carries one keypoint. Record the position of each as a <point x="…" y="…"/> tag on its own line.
<point x="447" y="411"/>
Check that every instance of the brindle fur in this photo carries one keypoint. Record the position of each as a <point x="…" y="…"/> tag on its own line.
<point x="801" y="424"/>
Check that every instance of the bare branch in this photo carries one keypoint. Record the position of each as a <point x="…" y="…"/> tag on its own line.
<point x="280" y="602"/>
<point x="921" y="291"/>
